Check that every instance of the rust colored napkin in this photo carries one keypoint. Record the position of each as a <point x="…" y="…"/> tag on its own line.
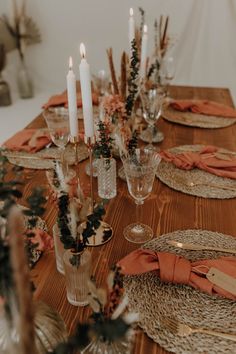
<point x="29" y="140"/>
<point x="210" y="108"/>
<point x="62" y="100"/>
<point x="208" y="159"/>
<point x="175" y="269"/>
<point x="43" y="240"/>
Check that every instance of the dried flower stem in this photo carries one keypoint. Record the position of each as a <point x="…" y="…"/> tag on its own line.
<point x="160" y="30"/>
<point x="112" y="70"/>
<point x="123" y="77"/>
<point x="163" y="41"/>
<point x="24" y="292"/>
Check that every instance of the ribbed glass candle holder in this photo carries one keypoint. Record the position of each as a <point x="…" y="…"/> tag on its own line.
<point x="107" y="178"/>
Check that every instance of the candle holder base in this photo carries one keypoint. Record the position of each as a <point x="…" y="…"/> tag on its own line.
<point x="103" y="234"/>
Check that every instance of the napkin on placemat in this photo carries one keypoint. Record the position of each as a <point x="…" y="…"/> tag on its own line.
<point x="29" y="140"/>
<point x="210" y="108"/>
<point x="175" y="269"/>
<point x="208" y="159"/>
<point x="62" y="100"/>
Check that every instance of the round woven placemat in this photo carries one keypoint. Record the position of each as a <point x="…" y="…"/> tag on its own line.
<point x="43" y="159"/>
<point x="195" y="119"/>
<point x="155" y="300"/>
<point x="206" y="184"/>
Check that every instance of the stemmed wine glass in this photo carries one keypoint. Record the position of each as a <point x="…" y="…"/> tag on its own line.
<point x="152" y="100"/>
<point x="140" y="170"/>
<point x="58" y="124"/>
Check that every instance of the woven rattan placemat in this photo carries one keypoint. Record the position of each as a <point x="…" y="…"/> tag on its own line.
<point x="43" y="159"/>
<point x="154" y="300"/>
<point x="205" y="184"/>
<point x="196" y="120"/>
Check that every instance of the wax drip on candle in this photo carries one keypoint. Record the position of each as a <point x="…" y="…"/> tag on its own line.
<point x="145" y="28"/>
<point x="131" y="12"/>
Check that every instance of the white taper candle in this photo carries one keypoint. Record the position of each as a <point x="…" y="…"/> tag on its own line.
<point x="144" y="51"/>
<point x="72" y="100"/>
<point x="85" y="83"/>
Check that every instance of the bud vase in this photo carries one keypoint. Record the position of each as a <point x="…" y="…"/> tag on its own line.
<point x="50" y="330"/>
<point x="59" y="249"/>
<point x="24" y="82"/>
<point x="77" y="268"/>
<point x="107" y="178"/>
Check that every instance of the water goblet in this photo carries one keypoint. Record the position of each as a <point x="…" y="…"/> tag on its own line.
<point x="140" y="170"/>
<point x="151" y="100"/>
<point x="58" y="124"/>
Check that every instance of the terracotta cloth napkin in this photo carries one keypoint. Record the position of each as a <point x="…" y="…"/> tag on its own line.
<point x="29" y="140"/>
<point x="208" y="159"/>
<point x="43" y="240"/>
<point x="62" y="100"/>
<point x="178" y="270"/>
<point x="210" y="108"/>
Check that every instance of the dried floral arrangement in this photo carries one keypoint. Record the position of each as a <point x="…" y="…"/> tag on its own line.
<point x="21" y="28"/>
<point x="15" y="246"/>
<point x="73" y="210"/>
<point x="108" y="323"/>
<point x="118" y="120"/>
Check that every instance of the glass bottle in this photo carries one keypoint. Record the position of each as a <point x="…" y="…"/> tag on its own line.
<point x="24" y="82"/>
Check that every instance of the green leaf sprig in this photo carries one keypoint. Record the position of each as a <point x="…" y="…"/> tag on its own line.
<point x="133" y="78"/>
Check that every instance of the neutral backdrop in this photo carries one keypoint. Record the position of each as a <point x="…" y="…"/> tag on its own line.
<point x="203" y="32"/>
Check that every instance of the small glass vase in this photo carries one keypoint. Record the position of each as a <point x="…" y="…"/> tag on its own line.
<point x="107" y="178"/>
<point x="59" y="249"/>
<point x="50" y="330"/>
<point x="77" y="268"/>
<point x="24" y="82"/>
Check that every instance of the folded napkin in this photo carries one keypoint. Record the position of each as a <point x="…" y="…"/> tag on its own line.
<point x="62" y="100"/>
<point x="178" y="270"/>
<point x="208" y="159"/>
<point x="210" y="108"/>
<point x="29" y="140"/>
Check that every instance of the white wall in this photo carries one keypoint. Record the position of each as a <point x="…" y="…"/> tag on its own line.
<point x="205" y="49"/>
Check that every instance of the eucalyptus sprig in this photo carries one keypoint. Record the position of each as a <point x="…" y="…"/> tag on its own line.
<point x="133" y="79"/>
<point x="103" y="145"/>
<point x="142" y="21"/>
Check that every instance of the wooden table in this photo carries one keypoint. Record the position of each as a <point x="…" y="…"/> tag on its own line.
<point x="166" y="210"/>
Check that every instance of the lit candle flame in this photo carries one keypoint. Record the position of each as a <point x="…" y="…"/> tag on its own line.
<point x="145" y="28"/>
<point x="70" y="63"/>
<point x="82" y="50"/>
<point x="131" y="12"/>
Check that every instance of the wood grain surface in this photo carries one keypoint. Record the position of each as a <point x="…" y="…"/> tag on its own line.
<point x="166" y="210"/>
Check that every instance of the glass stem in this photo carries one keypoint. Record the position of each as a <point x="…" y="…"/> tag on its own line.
<point x="138" y="211"/>
<point x="150" y="134"/>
